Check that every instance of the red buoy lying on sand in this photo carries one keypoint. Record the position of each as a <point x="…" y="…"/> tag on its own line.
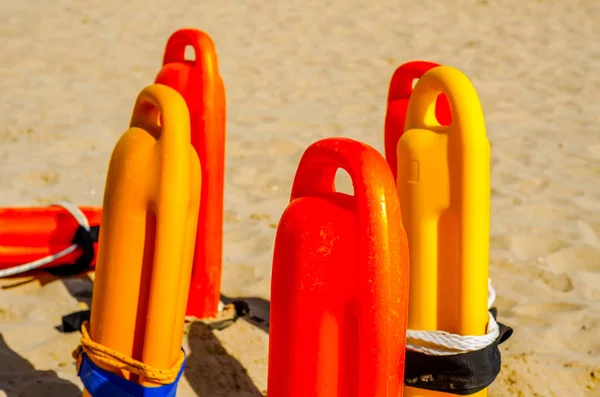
<point x="401" y="87"/>
<point x="48" y="237"/>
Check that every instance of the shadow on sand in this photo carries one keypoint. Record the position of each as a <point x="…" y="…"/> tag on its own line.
<point x="18" y="378"/>
<point x="211" y="371"/>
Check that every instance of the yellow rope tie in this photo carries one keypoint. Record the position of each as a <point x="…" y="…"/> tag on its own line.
<point x="109" y="357"/>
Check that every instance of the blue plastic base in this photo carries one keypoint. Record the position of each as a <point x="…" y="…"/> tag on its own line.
<point x="101" y="383"/>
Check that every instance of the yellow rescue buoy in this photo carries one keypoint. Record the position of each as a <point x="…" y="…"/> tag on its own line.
<point x="444" y="187"/>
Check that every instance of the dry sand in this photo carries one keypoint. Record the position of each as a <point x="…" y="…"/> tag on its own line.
<point x="295" y="72"/>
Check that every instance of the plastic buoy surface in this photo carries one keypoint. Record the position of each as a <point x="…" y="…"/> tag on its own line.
<point x="30" y="233"/>
<point x="400" y="90"/>
<point x="199" y="82"/>
<point x="151" y="203"/>
<point x="444" y="188"/>
<point x="340" y="280"/>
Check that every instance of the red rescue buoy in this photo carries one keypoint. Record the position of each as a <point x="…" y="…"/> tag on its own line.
<point x="200" y="84"/>
<point x="48" y="237"/>
<point x="340" y="280"/>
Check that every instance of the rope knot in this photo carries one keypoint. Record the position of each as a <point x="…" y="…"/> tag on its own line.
<point x="106" y="356"/>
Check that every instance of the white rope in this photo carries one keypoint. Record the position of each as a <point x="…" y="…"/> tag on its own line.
<point x="442" y="343"/>
<point x="26" y="267"/>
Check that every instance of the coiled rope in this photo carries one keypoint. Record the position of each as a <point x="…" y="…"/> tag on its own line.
<point x="100" y="354"/>
<point x="442" y="343"/>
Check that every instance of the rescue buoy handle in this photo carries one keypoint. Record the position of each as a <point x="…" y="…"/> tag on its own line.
<point x="456" y="88"/>
<point x="200" y="41"/>
<point x="401" y="88"/>
<point x="367" y="169"/>
<point x="147" y="114"/>
<point x="401" y="85"/>
<point x="153" y="106"/>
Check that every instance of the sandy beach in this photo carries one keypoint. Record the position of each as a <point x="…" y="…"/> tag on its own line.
<point x="295" y="72"/>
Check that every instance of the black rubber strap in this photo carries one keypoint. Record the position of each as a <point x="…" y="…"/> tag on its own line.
<point x="460" y="374"/>
<point x="84" y="239"/>
<point x="73" y="322"/>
